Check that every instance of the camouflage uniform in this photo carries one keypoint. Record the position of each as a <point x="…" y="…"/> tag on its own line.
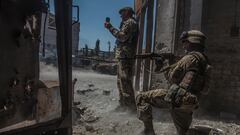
<point x="187" y="79"/>
<point x="126" y="46"/>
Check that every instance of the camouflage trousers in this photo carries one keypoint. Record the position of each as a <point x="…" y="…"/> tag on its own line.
<point x="182" y="118"/>
<point x="124" y="83"/>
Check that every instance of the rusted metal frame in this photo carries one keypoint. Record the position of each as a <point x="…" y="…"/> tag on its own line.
<point x="36" y="129"/>
<point x="155" y="25"/>
<point x="154" y="39"/>
<point x="148" y="49"/>
<point x="139" y="48"/>
<point x="44" y="29"/>
<point x="63" y="10"/>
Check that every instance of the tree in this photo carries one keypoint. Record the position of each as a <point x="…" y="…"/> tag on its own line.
<point x="97" y="47"/>
<point x="109" y="47"/>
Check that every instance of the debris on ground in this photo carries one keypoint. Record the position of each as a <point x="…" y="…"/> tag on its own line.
<point x="89" y="128"/>
<point x="99" y="111"/>
<point x="76" y="103"/>
<point x="106" y="68"/>
<point x="205" y="130"/>
<point x="106" y="92"/>
<point x="77" y="114"/>
<point x="113" y="126"/>
<point x="90" y="118"/>
<point x="90" y="85"/>
<point x="83" y="92"/>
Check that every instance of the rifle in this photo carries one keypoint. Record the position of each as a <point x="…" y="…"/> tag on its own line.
<point x="154" y="56"/>
<point x="159" y="59"/>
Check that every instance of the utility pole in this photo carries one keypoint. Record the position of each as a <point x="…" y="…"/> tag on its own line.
<point x="97" y="47"/>
<point x="109" y="48"/>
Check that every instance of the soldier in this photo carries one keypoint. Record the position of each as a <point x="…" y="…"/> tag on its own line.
<point x="126" y="40"/>
<point x="187" y="79"/>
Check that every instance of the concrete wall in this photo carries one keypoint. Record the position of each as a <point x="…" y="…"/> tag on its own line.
<point x="215" y="18"/>
<point x="224" y="53"/>
<point x="165" y="35"/>
<point x="165" y="28"/>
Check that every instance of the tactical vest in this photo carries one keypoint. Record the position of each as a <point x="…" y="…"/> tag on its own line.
<point x="128" y="48"/>
<point x="200" y="82"/>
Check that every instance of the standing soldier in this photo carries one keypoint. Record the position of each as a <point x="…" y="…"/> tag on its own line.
<point x="126" y="40"/>
<point x="187" y="79"/>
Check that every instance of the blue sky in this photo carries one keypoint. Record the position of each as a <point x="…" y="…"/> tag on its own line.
<point x="92" y="17"/>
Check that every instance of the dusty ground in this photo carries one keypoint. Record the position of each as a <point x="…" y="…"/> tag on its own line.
<point x="96" y="98"/>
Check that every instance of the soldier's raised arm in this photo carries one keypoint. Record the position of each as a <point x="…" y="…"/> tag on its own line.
<point x="128" y="25"/>
<point x="124" y="33"/>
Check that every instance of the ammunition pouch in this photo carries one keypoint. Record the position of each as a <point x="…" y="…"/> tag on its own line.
<point x="180" y="98"/>
<point x="171" y="93"/>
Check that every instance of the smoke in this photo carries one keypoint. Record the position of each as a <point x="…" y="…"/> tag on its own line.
<point x="48" y="72"/>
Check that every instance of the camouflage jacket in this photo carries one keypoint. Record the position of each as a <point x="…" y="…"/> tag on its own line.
<point x="126" y="38"/>
<point x="189" y="72"/>
<point x="187" y="78"/>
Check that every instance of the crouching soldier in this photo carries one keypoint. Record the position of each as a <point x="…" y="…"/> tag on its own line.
<point x="187" y="79"/>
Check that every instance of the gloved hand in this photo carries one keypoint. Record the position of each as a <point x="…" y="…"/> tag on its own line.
<point x="107" y="25"/>
<point x="159" y="64"/>
<point x="190" y="99"/>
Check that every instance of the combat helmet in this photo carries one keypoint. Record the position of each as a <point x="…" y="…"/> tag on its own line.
<point x="193" y="36"/>
<point x="127" y="9"/>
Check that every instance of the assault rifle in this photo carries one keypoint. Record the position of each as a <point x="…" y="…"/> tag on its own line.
<point x="159" y="59"/>
<point x="155" y="56"/>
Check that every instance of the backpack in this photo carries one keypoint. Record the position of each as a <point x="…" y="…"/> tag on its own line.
<point x="206" y="71"/>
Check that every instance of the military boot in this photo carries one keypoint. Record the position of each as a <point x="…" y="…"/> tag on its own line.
<point x="148" y="128"/>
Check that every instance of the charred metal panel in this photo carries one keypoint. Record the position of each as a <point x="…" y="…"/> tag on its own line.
<point x="18" y="65"/>
<point x="20" y="24"/>
<point x="26" y="107"/>
<point x="49" y="105"/>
